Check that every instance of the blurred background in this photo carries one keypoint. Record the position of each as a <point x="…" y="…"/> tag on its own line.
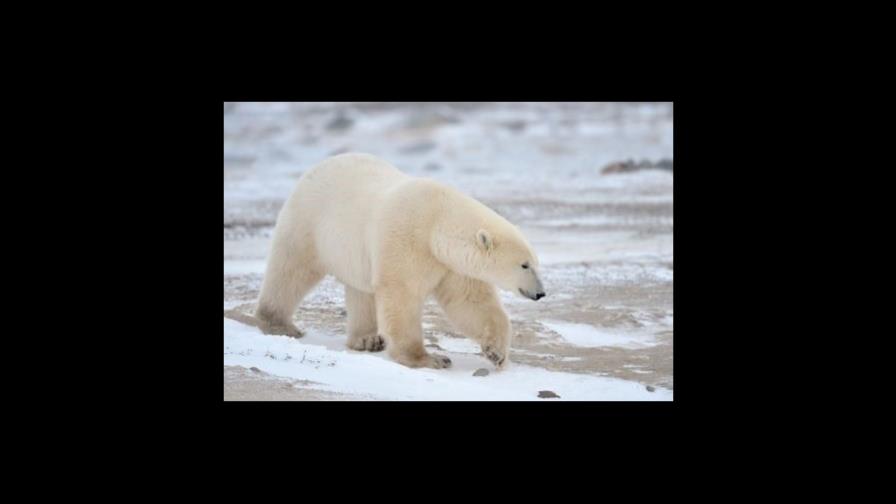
<point x="551" y="154"/>
<point x="590" y="185"/>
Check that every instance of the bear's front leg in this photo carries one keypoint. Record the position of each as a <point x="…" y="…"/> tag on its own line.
<point x="399" y="321"/>
<point x="474" y="308"/>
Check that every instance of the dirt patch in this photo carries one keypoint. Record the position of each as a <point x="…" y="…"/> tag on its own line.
<point x="631" y="166"/>
<point x="241" y="384"/>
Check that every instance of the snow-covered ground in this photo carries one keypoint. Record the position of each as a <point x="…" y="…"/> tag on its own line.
<point x="321" y="359"/>
<point x="604" y="332"/>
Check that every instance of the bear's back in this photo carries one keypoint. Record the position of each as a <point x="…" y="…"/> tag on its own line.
<point x="353" y="168"/>
<point x="337" y="202"/>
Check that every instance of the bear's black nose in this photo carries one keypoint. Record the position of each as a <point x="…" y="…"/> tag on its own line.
<point x="539" y="295"/>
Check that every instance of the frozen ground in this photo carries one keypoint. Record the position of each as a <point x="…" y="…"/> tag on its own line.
<point x="605" y="330"/>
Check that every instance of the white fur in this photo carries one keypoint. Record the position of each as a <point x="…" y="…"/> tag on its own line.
<point x="393" y="239"/>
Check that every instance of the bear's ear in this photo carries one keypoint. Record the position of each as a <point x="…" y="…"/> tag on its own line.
<point x="484" y="240"/>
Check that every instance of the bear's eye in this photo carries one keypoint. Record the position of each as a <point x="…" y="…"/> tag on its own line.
<point x="526" y="266"/>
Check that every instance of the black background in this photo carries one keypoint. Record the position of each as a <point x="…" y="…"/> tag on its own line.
<point x="161" y="214"/>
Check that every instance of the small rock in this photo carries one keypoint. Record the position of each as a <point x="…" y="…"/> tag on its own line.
<point x="545" y="394"/>
<point x="650" y="388"/>
<point x="619" y="167"/>
<point x="481" y="372"/>
<point x="253" y="368"/>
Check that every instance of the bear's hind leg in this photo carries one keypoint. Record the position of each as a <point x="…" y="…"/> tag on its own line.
<point x="362" y="334"/>
<point x="281" y="291"/>
<point x="398" y="316"/>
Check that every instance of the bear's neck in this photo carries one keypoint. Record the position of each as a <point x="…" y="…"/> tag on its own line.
<point x="453" y="239"/>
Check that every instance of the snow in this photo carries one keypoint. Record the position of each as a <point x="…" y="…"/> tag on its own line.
<point x="459" y="345"/>
<point x="473" y="150"/>
<point x="322" y="358"/>
<point x="586" y="335"/>
<point x="243" y="266"/>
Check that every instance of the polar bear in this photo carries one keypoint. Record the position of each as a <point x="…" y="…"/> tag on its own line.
<point x="392" y="240"/>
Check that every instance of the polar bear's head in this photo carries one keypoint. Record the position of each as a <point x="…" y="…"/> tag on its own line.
<point x="475" y="241"/>
<point x="497" y="254"/>
<point x="505" y="259"/>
